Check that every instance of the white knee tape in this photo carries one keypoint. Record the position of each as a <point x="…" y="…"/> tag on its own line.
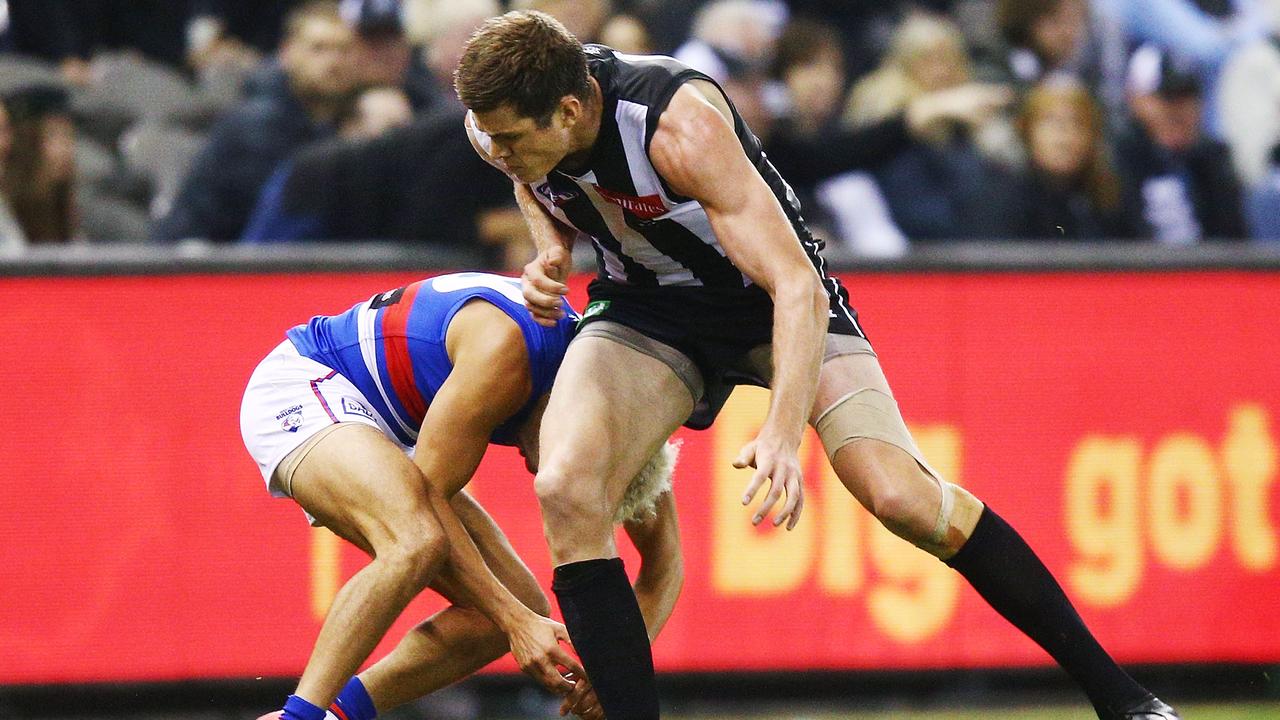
<point x="945" y="509"/>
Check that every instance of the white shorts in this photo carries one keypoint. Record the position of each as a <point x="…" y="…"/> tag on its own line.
<point x="289" y="399"/>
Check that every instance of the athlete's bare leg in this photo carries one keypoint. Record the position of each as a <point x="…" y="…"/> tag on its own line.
<point x="884" y="478"/>
<point x="610" y="410"/>
<point x="953" y="525"/>
<point x="459" y="640"/>
<point x="361" y="486"/>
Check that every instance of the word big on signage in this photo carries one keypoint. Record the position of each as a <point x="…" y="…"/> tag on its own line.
<point x="912" y="597"/>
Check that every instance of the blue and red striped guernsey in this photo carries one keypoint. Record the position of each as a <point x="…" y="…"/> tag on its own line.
<point x="392" y="346"/>
<point x="394" y="325"/>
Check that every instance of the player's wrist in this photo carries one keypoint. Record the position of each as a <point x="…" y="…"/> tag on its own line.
<point x="512" y="616"/>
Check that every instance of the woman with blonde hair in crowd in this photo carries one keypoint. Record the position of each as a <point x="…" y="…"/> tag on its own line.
<point x="1070" y="190"/>
<point x="948" y="183"/>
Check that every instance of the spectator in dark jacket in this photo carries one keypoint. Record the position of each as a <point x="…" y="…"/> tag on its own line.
<point x="38" y="179"/>
<point x="245" y="147"/>
<point x="1070" y="190"/>
<point x="421" y="184"/>
<point x="1179" y="185"/>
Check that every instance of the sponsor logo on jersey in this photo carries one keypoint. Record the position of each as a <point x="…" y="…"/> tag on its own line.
<point x="352" y="406"/>
<point x="647" y="207"/>
<point x="557" y="198"/>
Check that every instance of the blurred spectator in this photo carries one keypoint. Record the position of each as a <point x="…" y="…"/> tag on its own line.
<point x="950" y="183"/>
<point x="867" y="26"/>
<point x="383" y="54"/>
<point x="809" y="63"/>
<point x="1070" y="191"/>
<point x="628" y="34"/>
<point x="584" y="18"/>
<point x="1204" y="32"/>
<point x="12" y="238"/>
<point x="236" y="29"/>
<point x="420" y="184"/>
<point x="1262" y="204"/>
<point x="39" y="175"/>
<point x="733" y="42"/>
<point x="442" y="27"/>
<point x="1179" y="184"/>
<point x="733" y="37"/>
<point x="1250" y="102"/>
<point x="375" y="111"/>
<point x="300" y="105"/>
<point x="1043" y="37"/>
<point x="815" y="154"/>
<point x="668" y="21"/>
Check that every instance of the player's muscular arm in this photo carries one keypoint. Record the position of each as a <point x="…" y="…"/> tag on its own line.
<point x="489" y="382"/>
<point x="697" y="152"/>
<point x="543" y="279"/>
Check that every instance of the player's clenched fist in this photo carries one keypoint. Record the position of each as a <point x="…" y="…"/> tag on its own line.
<point x="543" y="284"/>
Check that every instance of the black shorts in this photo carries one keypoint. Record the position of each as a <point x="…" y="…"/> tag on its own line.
<point x="714" y="328"/>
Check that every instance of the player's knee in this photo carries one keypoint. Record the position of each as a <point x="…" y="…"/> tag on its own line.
<point x="566" y="498"/>
<point x="899" y="509"/>
<point x="416" y="552"/>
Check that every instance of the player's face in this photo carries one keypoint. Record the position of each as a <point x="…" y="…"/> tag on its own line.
<point x="526" y="151"/>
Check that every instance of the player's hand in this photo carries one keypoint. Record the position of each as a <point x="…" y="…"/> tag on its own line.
<point x="542" y="284"/>
<point x="536" y="646"/>
<point x="582" y="700"/>
<point x="777" y="463"/>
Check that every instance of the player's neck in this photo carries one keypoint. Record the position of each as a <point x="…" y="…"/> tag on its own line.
<point x="586" y="131"/>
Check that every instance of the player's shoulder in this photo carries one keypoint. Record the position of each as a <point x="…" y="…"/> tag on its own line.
<point x="645" y="79"/>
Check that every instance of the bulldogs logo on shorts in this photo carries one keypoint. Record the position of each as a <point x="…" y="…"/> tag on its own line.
<point x="290" y="418"/>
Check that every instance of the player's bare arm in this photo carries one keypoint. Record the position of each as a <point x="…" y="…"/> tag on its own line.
<point x="543" y="279"/>
<point x="489" y="382"/>
<point x="661" y="576"/>
<point x="695" y="148"/>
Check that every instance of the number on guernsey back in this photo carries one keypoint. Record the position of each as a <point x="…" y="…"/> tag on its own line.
<point x="509" y="287"/>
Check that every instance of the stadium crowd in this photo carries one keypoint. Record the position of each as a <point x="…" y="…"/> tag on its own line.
<point x="897" y="122"/>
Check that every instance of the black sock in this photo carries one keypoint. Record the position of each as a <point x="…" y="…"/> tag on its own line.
<point x="608" y="632"/>
<point x="1006" y="572"/>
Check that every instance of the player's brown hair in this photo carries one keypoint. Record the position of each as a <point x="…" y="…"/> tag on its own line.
<point x="525" y="58"/>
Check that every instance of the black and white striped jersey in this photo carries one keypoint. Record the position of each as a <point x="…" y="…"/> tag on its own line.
<point x="644" y="233"/>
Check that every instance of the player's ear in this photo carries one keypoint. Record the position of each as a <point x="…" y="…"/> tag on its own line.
<point x="570" y="110"/>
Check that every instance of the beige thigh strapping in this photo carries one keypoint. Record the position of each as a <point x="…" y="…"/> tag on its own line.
<point x="282" y="479"/>
<point x="869" y="413"/>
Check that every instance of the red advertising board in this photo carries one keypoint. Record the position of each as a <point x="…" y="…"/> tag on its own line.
<point x="1126" y="423"/>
